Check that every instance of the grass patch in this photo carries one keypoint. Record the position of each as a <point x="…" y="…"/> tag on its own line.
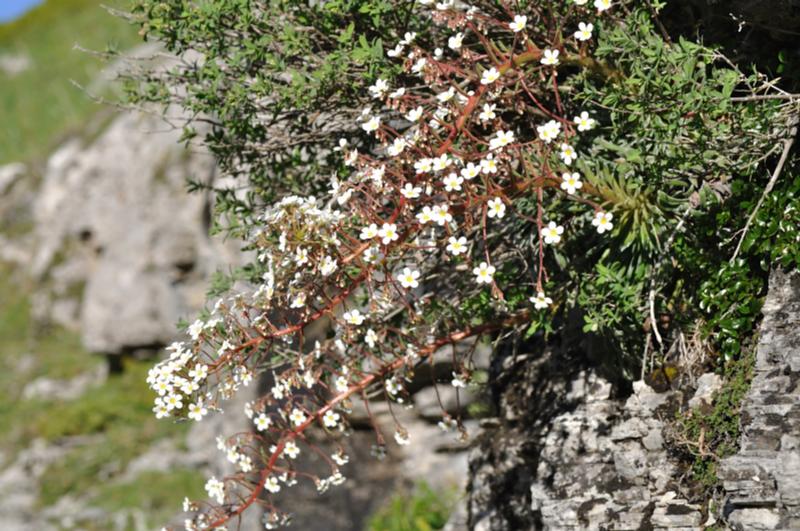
<point x="40" y="104"/>
<point x="157" y="494"/>
<point x="421" y="510"/>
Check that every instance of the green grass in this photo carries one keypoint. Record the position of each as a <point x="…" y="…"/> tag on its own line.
<point x="39" y="106"/>
<point x="423" y="509"/>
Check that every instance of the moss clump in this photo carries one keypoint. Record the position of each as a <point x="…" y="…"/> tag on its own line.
<point x="421" y="510"/>
<point x="706" y="435"/>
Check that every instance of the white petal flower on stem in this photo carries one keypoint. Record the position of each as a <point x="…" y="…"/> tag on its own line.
<point x="354" y="317"/>
<point x="549" y="131"/>
<point x="291" y="450"/>
<point x="388" y="233"/>
<point x="457" y="246"/>
<point x="518" y="24"/>
<point x="372" y="124"/>
<point x="454" y="42"/>
<point x="369" y="232"/>
<point x="414" y="114"/>
<point x="571" y="182"/>
<point x="540" y="301"/>
<point x="552" y="233"/>
<point x="602" y="5"/>
<point x="297" y="417"/>
<point x="396" y="51"/>
<point x="392" y="387"/>
<point x="379" y="88"/>
<point x="550" y="57"/>
<point x="441" y="163"/>
<point x="441" y="214"/>
<point x="272" y="485"/>
<point x="452" y="182"/>
<point x="371" y="338"/>
<point x="487" y="113"/>
<point x="489" y="165"/>
<point x="197" y="411"/>
<point x="409" y="191"/>
<point x="568" y="154"/>
<point x="397" y="147"/>
<point x="408" y="278"/>
<point x="216" y="490"/>
<point x="262" y="422"/>
<point x="489" y="76"/>
<point x="502" y="139"/>
<point x="423" y="165"/>
<point x="328" y="266"/>
<point x="496" y="208"/>
<point x="470" y="171"/>
<point x="341" y="384"/>
<point x="602" y="220"/>
<point x="484" y="273"/>
<point x="331" y="419"/>
<point x="425" y="216"/>
<point x="584" y="32"/>
<point x="584" y="122"/>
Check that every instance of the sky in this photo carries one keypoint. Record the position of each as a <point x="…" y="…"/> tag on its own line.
<point x="11" y="9"/>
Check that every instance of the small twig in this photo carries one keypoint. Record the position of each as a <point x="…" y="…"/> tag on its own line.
<point x="787" y="147"/>
<point x="759" y="97"/>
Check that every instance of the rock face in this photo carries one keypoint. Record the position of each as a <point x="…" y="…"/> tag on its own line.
<point x="762" y="481"/>
<point x="568" y="454"/>
<point x="116" y="227"/>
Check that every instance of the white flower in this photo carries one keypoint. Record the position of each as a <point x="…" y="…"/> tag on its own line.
<point x="419" y="66"/>
<point x="552" y="233"/>
<point x="399" y="93"/>
<point x="341" y="384"/>
<point x="199" y="372"/>
<point x="297" y="417"/>
<point x="291" y="450"/>
<point x="340" y="458"/>
<point x="447" y="95"/>
<point x="216" y="490"/>
<point x="441" y="215"/>
<point x="518" y="24"/>
<point x="272" y="485"/>
<point x="391" y="386"/>
<point x="397" y="147"/>
<point x="328" y="266"/>
<point x="489" y="76"/>
<point x="331" y="419"/>
<point x="298" y="301"/>
<point x="487" y="113"/>
<point x="550" y="57"/>
<point x="549" y="131"/>
<point x="489" y="165"/>
<point x="602" y="5"/>
<point x="388" y="233"/>
<point x="414" y="114"/>
<point x="584" y="32"/>
<point x="584" y="122"/>
<point x="262" y="422"/>
<point x="457" y="246"/>
<point x="457" y="381"/>
<point x="502" y="139"/>
<point x="371" y="338"/>
<point x="580" y="2"/>
<point x="408" y="278"/>
<point x="401" y="438"/>
<point x="540" y="301"/>
<point x="408" y="38"/>
<point x="571" y="182"/>
<point x="602" y="220"/>
<point x="484" y="273"/>
<point x="197" y="411"/>
<point x="496" y="208"/>
<point x="423" y="165"/>
<point x="301" y="256"/>
<point x="379" y="88"/>
<point x="409" y="191"/>
<point x="196" y="328"/>
<point x="396" y="51"/>
<point x="568" y="154"/>
<point x="470" y="171"/>
<point x="454" y="42"/>
<point x="452" y="182"/>
<point x="160" y="410"/>
<point x="173" y="401"/>
<point x="353" y="317"/>
<point x="372" y="124"/>
<point x="367" y="233"/>
<point x="425" y="216"/>
<point x="441" y="163"/>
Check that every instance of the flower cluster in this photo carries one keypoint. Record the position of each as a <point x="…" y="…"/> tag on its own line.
<point x="444" y="173"/>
